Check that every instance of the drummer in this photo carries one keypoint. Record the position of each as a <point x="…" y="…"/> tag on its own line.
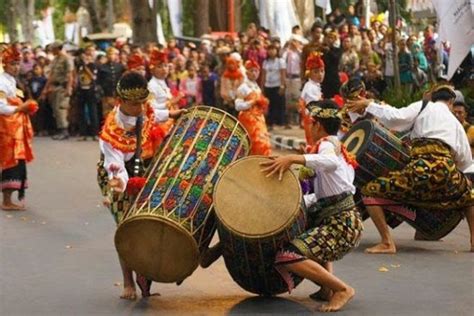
<point x="118" y="145"/>
<point x="335" y="224"/>
<point x="434" y="177"/>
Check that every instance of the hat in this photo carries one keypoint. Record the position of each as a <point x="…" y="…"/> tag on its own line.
<point x="132" y="86"/>
<point x="157" y="58"/>
<point x="57" y="44"/>
<point x="10" y="54"/>
<point x="236" y="56"/>
<point x="134" y="61"/>
<point x="459" y="97"/>
<point x="314" y="61"/>
<point x="251" y="64"/>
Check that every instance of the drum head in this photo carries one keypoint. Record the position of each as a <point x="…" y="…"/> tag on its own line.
<point x="358" y="137"/>
<point x="157" y="248"/>
<point x="251" y="205"/>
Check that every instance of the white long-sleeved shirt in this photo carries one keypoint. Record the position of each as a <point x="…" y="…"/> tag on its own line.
<point x="333" y="175"/>
<point x="7" y="90"/>
<point x="311" y="92"/>
<point x="243" y="91"/>
<point x="118" y="158"/>
<point x="160" y="93"/>
<point x="436" y="121"/>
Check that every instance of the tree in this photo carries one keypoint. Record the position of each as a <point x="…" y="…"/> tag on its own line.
<point x="201" y="17"/>
<point x="10" y="13"/>
<point x="94" y="9"/>
<point x="144" y="21"/>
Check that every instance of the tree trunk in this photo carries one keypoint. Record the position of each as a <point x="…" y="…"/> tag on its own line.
<point x="143" y="22"/>
<point x="93" y="8"/>
<point x="27" y="25"/>
<point x="11" y="20"/>
<point x="218" y="15"/>
<point x="201" y="18"/>
<point x="238" y="15"/>
<point x="110" y="15"/>
<point x="393" y="20"/>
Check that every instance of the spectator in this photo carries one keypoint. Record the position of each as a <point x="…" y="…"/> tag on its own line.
<point x="313" y="46"/>
<point x="420" y="78"/>
<point x="209" y="83"/>
<point x="405" y="64"/>
<point x="274" y="78"/>
<point x="292" y="58"/>
<point x="349" y="62"/>
<point x="331" y="57"/>
<point x="108" y="76"/>
<point x="367" y="55"/>
<point x="36" y="86"/>
<point x="419" y="56"/>
<point x="191" y="86"/>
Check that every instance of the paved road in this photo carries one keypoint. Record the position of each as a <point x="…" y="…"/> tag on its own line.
<point x="58" y="258"/>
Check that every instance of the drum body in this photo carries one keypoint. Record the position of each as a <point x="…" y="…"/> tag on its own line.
<point x="378" y="152"/>
<point x="256" y="217"/>
<point x="172" y="219"/>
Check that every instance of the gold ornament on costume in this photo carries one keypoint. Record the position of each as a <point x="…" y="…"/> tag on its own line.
<point x="132" y="94"/>
<point x="318" y="112"/>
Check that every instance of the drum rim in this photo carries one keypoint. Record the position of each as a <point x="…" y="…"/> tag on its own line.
<point x="162" y="219"/>
<point x="370" y="131"/>
<point x="207" y="108"/>
<point x="222" y="222"/>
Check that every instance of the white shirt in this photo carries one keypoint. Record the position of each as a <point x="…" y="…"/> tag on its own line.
<point x="436" y="122"/>
<point x="160" y="93"/>
<point x="244" y="90"/>
<point x="272" y="72"/>
<point x="333" y="175"/>
<point x="293" y="62"/>
<point x="118" y="158"/>
<point x="311" y="92"/>
<point x="7" y="90"/>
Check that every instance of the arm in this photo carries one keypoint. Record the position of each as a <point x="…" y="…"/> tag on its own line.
<point x="393" y="118"/>
<point x="6" y="109"/>
<point x="114" y="157"/>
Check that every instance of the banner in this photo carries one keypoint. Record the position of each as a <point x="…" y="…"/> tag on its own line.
<point x="175" y="8"/>
<point x="325" y="4"/>
<point x="456" y="25"/>
<point x="271" y="17"/>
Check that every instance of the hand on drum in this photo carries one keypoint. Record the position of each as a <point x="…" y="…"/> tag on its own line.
<point x="278" y="165"/>
<point x="116" y="184"/>
<point x="177" y="113"/>
<point x="358" y="105"/>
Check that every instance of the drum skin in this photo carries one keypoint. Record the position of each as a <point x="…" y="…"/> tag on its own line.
<point x="172" y="219"/>
<point x="257" y="215"/>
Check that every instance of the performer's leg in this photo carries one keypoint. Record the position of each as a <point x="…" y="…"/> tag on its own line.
<point x="324" y="294"/>
<point x="7" y="204"/>
<point x="469" y="212"/>
<point x="313" y="271"/>
<point x="210" y="255"/>
<point x="387" y="245"/>
<point x="129" y="291"/>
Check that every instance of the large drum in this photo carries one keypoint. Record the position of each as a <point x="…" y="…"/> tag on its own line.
<point x="378" y="152"/>
<point x="256" y="217"/>
<point x="172" y="219"/>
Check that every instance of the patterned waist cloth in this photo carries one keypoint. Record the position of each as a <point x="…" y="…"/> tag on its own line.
<point x="430" y="146"/>
<point x="329" y="206"/>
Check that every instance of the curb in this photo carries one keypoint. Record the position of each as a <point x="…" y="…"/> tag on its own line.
<point x="287" y="142"/>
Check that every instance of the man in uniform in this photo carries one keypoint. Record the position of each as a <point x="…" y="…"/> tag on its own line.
<point x="107" y="77"/>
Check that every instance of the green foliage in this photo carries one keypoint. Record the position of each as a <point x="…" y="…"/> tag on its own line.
<point x="188" y="17"/>
<point x="249" y="13"/>
<point x="402" y="99"/>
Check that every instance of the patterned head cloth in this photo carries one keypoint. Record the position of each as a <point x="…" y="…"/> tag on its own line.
<point x="157" y="58"/>
<point x="251" y="64"/>
<point x="133" y="87"/>
<point x="444" y="88"/>
<point x="10" y="54"/>
<point x="352" y="88"/>
<point x="317" y="111"/>
<point x="135" y="61"/>
<point x="314" y="61"/>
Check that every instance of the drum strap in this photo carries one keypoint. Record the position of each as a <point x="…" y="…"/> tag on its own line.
<point x="138" y="150"/>
<point x="424" y="103"/>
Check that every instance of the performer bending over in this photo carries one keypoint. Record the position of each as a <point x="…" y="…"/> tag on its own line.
<point x="335" y="224"/>
<point x="126" y="146"/>
<point x="433" y="178"/>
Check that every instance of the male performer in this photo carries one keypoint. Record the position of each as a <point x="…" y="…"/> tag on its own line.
<point x="120" y="150"/>
<point x="335" y="225"/>
<point x="440" y="155"/>
<point x="16" y="132"/>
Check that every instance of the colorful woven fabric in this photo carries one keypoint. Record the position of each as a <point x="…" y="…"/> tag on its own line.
<point x="430" y="179"/>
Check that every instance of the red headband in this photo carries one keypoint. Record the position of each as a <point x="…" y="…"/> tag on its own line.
<point x="135" y="61"/>
<point x="157" y="58"/>
<point x="10" y="54"/>
<point x="314" y="61"/>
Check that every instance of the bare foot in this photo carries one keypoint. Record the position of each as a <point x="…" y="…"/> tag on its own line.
<point x="382" y="249"/>
<point x="338" y="300"/>
<point x="12" y="207"/>
<point x="324" y="294"/>
<point x="129" y="293"/>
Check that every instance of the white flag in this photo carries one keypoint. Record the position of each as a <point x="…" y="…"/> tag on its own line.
<point x="456" y="25"/>
<point x="325" y="4"/>
<point x="175" y="8"/>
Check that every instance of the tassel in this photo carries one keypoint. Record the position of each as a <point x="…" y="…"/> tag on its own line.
<point x="33" y="107"/>
<point x="135" y="184"/>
